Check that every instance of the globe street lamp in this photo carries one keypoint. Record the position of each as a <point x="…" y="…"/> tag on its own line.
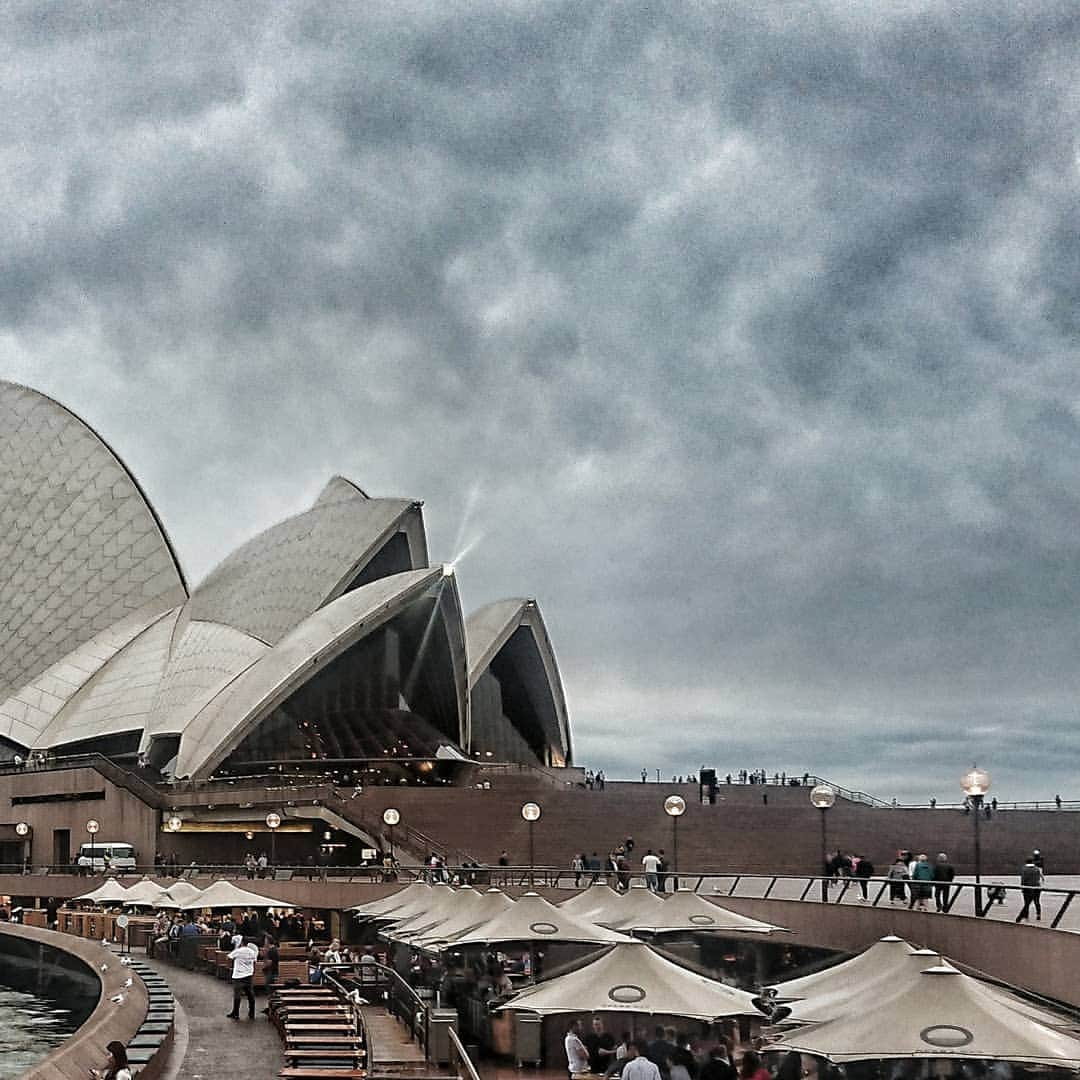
<point x="273" y="823"/>
<point x="175" y="823"/>
<point x="975" y="783"/>
<point x="823" y="796"/>
<point x="390" y="818"/>
<point x="531" y="813"/>
<point x="22" y="831"/>
<point x="92" y="827"/>
<point x="675" y="807"/>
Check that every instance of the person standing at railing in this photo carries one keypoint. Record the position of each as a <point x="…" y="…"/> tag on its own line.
<point x="944" y="873"/>
<point x="864" y="871"/>
<point x="898" y="875"/>
<point x="1031" y="882"/>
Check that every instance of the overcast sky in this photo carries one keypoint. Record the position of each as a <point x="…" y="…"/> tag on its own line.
<point x="743" y="336"/>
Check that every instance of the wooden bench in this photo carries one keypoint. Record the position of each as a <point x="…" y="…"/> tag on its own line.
<point x="300" y="1072"/>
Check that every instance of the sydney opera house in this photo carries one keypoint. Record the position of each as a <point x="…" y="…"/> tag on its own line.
<point x="328" y="639"/>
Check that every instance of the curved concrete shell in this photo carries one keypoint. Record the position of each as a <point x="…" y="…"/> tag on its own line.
<point x="81" y="548"/>
<point x="270" y="584"/>
<point x="515" y="685"/>
<point x="326" y="637"/>
<point x="233" y="714"/>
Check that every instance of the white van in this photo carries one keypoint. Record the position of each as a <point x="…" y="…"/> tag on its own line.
<point x="105" y="855"/>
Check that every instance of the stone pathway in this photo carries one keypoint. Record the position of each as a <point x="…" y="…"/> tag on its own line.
<point x="208" y="1045"/>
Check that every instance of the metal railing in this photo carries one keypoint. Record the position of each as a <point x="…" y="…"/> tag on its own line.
<point x="460" y="1061"/>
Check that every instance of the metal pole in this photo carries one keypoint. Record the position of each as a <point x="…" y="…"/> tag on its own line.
<point x="532" y="860"/>
<point x="273" y="847"/>
<point x="977" y="810"/>
<point x="824" y="859"/>
<point x="675" y="852"/>
<point x="391" y="843"/>
<point x="93" y="869"/>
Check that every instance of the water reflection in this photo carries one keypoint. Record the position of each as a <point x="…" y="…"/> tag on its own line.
<point x="30" y="1028"/>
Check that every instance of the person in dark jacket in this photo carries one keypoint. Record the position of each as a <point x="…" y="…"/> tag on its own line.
<point x="864" y="870"/>
<point x="943" y="875"/>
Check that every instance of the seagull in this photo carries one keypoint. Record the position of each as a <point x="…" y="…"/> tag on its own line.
<point x="128" y="981"/>
<point x="104" y="967"/>
<point x="117" y="999"/>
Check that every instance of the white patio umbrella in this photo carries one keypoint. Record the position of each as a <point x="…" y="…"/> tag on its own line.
<point x="439" y="908"/>
<point x="148" y="893"/>
<point x="490" y="903"/>
<point x="942" y="1014"/>
<point x="840" y="998"/>
<point x="224" y="894"/>
<point x="882" y="955"/>
<point x="685" y="911"/>
<point x="633" y="978"/>
<point x="108" y="892"/>
<point x="532" y="918"/>
<point x="598" y="903"/>
<point x="394" y="905"/>
<point x="182" y="891"/>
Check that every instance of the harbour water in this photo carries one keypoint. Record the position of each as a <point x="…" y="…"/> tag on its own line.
<point x="30" y="1027"/>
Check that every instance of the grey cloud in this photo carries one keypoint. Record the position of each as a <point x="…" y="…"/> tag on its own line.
<point x="754" y="328"/>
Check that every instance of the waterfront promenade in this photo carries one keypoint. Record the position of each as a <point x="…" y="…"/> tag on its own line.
<point x="209" y="1046"/>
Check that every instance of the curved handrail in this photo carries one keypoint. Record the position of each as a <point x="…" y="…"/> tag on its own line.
<point x="461" y="1055"/>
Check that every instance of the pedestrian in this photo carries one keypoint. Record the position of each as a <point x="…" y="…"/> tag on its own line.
<point x="1057" y="801"/>
<point x="922" y="874"/>
<point x="262" y="863"/>
<point x="249" y="866"/>
<point x="943" y="875"/>
<point x="629" y="845"/>
<point x="243" y="975"/>
<point x="639" y="1066"/>
<point x="601" y="1047"/>
<point x="577" y="864"/>
<point x="651" y="865"/>
<point x="662" y="872"/>
<point x="864" y="871"/>
<point x="1031" y="881"/>
<point x="898" y="874"/>
<point x="116" y="1068"/>
<point x="751" y="1068"/>
<point x="577" y="1057"/>
<point x="1037" y="859"/>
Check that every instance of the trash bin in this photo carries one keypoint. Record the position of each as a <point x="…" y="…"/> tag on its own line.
<point x="528" y="1039"/>
<point x="440" y="1021"/>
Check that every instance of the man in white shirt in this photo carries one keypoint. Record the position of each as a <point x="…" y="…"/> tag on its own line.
<point x="638" y="1066"/>
<point x="577" y="1057"/>
<point x="651" y="865"/>
<point x="243" y="959"/>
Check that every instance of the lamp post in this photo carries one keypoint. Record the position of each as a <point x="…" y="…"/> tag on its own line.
<point x="273" y="823"/>
<point x="975" y="783"/>
<point x="823" y="796"/>
<point x="675" y="807"/>
<point x="390" y="818"/>
<point x="531" y="813"/>
<point x="22" y="831"/>
<point x="92" y="827"/>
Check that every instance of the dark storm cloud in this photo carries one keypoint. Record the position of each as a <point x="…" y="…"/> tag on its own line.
<point x="755" y="329"/>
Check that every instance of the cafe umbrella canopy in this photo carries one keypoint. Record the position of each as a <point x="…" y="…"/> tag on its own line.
<point x="942" y="1014"/>
<point x="634" y="978"/>
<point x="148" y="893"/>
<point x="182" y="891"/>
<point x="475" y="913"/>
<point x="532" y="918"/>
<point x="396" y="905"/>
<point x="224" y="894"/>
<point x="685" y="911"/>
<point x="881" y="956"/>
<point x="108" y="892"/>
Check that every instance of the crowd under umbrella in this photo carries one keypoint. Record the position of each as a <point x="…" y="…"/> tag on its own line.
<point x="941" y="1015"/>
<point x="686" y="911"/>
<point x="108" y="892"/>
<point x="632" y="978"/>
<point x="490" y="903"/>
<point x="883" y="955"/>
<point x="224" y="894"/>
